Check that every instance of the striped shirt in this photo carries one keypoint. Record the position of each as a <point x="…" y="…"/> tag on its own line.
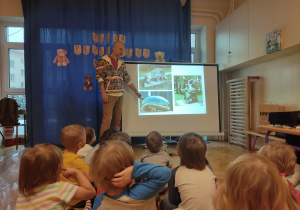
<point x="113" y="78"/>
<point x="52" y="196"/>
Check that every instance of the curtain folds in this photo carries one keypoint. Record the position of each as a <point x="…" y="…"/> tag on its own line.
<point x="85" y="30"/>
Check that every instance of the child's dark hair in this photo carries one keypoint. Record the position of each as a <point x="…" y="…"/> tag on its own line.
<point x="121" y="136"/>
<point x="90" y="134"/>
<point x="39" y="165"/>
<point x="107" y="134"/>
<point x="192" y="150"/>
<point x="154" y="141"/>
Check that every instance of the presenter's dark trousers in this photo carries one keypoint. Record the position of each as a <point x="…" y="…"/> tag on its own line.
<point x="112" y="114"/>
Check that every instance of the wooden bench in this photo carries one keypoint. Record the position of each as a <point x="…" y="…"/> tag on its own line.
<point x="256" y="134"/>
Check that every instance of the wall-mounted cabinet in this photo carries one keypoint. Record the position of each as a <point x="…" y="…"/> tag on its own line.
<point x="287" y="18"/>
<point x="260" y="23"/>
<point x="232" y="39"/>
<point x="247" y="28"/>
<point x="238" y="35"/>
<point x="222" y="44"/>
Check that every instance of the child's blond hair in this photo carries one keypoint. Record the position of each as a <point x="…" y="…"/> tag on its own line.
<point x="112" y="157"/>
<point x="252" y="182"/>
<point x="283" y="156"/>
<point x="39" y="165"/>
<point x="71" y="135"/>
<point x="154" y="141"/>
<point x="192" y="150"/>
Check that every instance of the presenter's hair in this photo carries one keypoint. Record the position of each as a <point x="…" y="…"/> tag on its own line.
<point x="252" y="182"/>
<point x="121" y="136"/>
<point x="71" y="135"/>
<point x="154" y="141"/>
<point x="192" y="150"/>
<point x="112" y="157"/>
<point x="39" y="165"/>
<point x="90" y="134"/>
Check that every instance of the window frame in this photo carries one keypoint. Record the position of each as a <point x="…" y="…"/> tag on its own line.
<point x="4" y="57"/>
<point x="196" y="50"/>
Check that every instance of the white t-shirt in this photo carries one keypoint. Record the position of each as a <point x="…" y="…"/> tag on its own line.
<point x="196" y="188"/>
<point x="84" y="150"/>
<point x="89" y="156"/>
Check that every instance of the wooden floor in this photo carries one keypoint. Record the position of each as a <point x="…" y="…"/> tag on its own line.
<point x="219" y="155"/>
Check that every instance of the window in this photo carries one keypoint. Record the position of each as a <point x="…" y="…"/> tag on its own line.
<point x="193" y="40"/>
<point x="12" y="64"/>
<point x="14" y="34"/>
<point x="193" y="58"/>
<point x="198" y="44"/>
<point x="12" y="77"/>
<point x="17" y="72"/>
<point x="13" y="68"/>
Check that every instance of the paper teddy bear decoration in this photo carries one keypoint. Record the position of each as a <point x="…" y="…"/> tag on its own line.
<point x="87" y="83"/>
<point x="159" y="56"/>
<point x="61" y="58"/>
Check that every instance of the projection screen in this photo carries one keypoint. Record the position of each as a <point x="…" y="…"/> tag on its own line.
<point x="177" y="98"/>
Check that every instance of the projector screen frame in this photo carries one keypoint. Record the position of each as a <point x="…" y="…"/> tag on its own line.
<point x="129" y="91"/>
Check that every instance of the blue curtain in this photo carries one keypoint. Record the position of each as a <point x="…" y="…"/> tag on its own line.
<point x="85" y="30"/>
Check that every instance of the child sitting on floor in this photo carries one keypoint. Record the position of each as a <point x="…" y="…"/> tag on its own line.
<point x="283" y="155"/>
<point x="121" y="136"/>
<point x="90" y="139"/>
<point x="106" y="135"/>
<point x="155" y="154"/>
<point x="192" y="184"/>
<point x="38" y="186"/>
<point x="73" y="138"/>
<point x="112" y="158"/>
<point x="253" y="182"/>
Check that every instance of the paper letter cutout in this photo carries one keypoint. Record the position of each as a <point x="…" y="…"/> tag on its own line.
<point x="146" y="53"/>
<point x="101" y="38"/>
<point x="138" y="52"/>
<point x="108" y="50"/>
<point x="77" y="49"/>
<point x="86" y="49"/>
<point x="95" y="37"/>
<point x="101" y="51"/>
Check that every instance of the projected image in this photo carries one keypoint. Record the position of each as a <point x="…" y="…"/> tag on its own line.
<point x="155" y="102"/>
<point x="155" y="77"/>
<point x="188" y="90"/>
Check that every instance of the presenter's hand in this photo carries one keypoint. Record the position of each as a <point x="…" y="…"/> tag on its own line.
<point x="104" y="98"/>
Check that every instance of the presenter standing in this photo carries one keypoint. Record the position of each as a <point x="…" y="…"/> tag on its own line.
<point x="111" y="73"/>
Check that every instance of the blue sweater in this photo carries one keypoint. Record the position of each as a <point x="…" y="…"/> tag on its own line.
<point x="156" y="178"/>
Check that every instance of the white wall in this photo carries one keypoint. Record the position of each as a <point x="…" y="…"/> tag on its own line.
<point x="11" y="8"/>
<point x="279" y="83"/>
